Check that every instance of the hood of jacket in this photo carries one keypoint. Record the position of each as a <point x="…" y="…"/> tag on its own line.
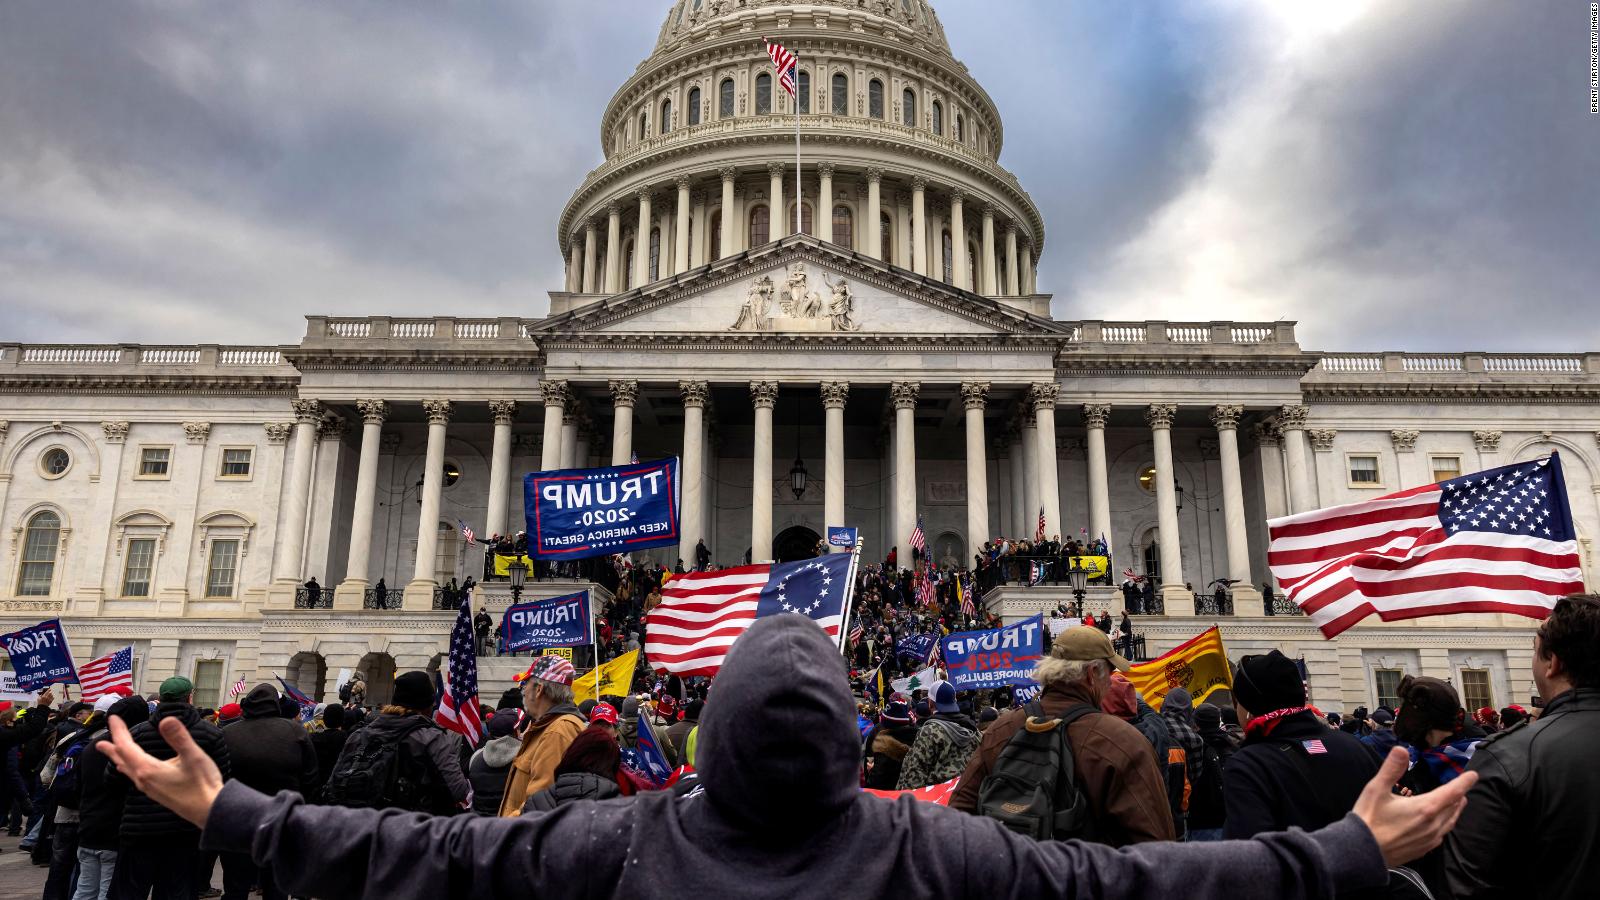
<point x="388" y="723"/>
<point x="175" y="709"/>
<point x="777" y="750"/>
<point x="261" y="703"/>
<point x="1178" y="704"/>
<point x="501" y="751"/>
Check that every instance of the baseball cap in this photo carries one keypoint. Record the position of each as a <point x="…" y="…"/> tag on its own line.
<point x="229" y="712"/>
<point x="603" y="712"/>
<point x="1383" y="717"/>
<point x="1084" y="643"/>
<point x="105" y="702"/>
<point x="553" y="669"/>
<point x="943" y="694"/>
<point x="176" y="688"/>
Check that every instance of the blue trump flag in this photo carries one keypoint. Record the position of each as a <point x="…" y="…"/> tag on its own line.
<point x="918" y="646"/>
<point x="647" y="753"/>
<point x="308" y="706"/>
<point x="841" y="536"/>
<point x="40" y="656"/>
<point x="577" y="513"/>
<point x="562" y="621"/>
<point x="998" y="656"/>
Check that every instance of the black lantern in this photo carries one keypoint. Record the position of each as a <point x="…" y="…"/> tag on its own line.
<point x="1078" y="577"/>
<point x="518" y="570"/>
<point x="1178" y="488"/>
<point x="797" y="478"/>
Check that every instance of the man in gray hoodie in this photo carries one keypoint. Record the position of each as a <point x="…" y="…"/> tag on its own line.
<point x="779" y="814"/>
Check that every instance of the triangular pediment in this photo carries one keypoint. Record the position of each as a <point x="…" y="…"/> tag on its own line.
<point x="799" y="285"/>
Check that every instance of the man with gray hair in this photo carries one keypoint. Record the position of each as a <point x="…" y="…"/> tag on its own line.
<point x="553" y="721"/>
<point x="1112" y="763"/>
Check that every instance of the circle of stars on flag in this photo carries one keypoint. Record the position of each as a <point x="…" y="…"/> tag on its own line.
<point x="800" y="606"/>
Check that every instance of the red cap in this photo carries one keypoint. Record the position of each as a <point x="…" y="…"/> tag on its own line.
<point x="230" y="711"/>
<point x="603" y="712"/>
<point x="121" y="690"/>
<point x="5" y="706"/>
<point x="667" y="707"/>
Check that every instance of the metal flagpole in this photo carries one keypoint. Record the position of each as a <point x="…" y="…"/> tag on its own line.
<point x="850" y="595"/>
<point x="797" y="196"/>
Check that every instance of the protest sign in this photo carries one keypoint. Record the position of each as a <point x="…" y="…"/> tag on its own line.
<point x="997" y="656"/>
<point x="578" y="513"/>
<point x="562" y="621"/>
<point x="841" y="536"/>
<point x="10" y="692"/>
<point x="40" y="656"/>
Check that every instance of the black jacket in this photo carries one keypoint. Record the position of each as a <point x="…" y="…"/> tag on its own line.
<point x="432" y="755"/>
<point x="1274" y="782"/>
<point x="100" y="808"/>
<point x="1530" y="827"/>
<point x="144" y="821"/>
<point x="270" y="753"/>
<point x="887" y="745"/>
<point x="570" y="787"/>
<point x="487" y="771"/>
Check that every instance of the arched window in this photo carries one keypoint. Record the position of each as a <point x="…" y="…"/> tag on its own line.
<point x="725" y="99"/>
<point x="1152" y="556"/>
<point x="961" y="128"/>
<point x="886" y="238"/>
<point x="803" y="87"/>
<point x="763" y="94"/>
<point x="627" y="265"/>
<point x="655" y="253"/>
<point x="875" y="99"/>
<point x="908" y="108"/>
<point x="949" y="260"/>
<point x="760" y="226"/>
<point x="805" y="218"/>
<point x="714" y="251"/>
<point x="644" y="125"/>
<point x="40" y="541"/>
<point x="938" y="118"/>
<point x="842" y="232"/>
<point x="839" y="94"/>
<point x="694" y="106"/>
<point x="666" y="116"/>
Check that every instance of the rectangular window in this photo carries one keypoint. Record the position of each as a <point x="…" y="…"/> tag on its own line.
<point x="207" y="683"/>
<point x="1387" y="682"/>
<point x="236" y="462"/>
<point x="1475" y="693"/>
<point x="1445" y="467"/>
<point x="221" y="567"/>
<point x="154" y="462"/>
<point x="1364" y="471"/>
<point x="141" y="556"/>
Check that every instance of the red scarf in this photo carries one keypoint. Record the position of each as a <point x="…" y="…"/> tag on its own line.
<point x="1262" y="725"/>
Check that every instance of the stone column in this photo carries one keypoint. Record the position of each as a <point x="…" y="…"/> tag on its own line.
<point x="1094" y="419"/>
<point x="419" y="593"/>
<point x="700" y="248"/>
<point x="1246" y="599"/>
<point x="1044" y="396"/>
<point x="613" y="249"/>
<point x="777" y="212"/>
<point x="1292" y="419"/>
<point x="919" y="225"/>
<point x="936" y="243"/>
<point x="1488" y="446"/>
<point x="824" y="220"/>
<point x="1012" y="288"/>
<point x="1019" y="487"/>
<point x="902" y="230"/>
<point x="569" y="438"/>
<point x="874" y="223"/>
<point x="554" y="394"/>
<point x="974" y="396"/>
<point x="591" y="246"/>
<point x="1030" y="472"/>
<point x="623" y="396"/>
<point x="574" y="265"/>
<point x="680" y="236"/>
<point x="1269" y="441"/>
<point x="989" y="286"/>
<point x="1405" y="450"/>
<point x="503" y="412"/>
<point x="692" y="469"/>
<point x="359" y="561"/>
<point x="641" y="241"/>
<point x="580" y="453"/>
<point x="764" y="394"/>
<point x="904" y="396"/>
<point x="1176" y="600"/>
<point x="291" y="536"/>
<point x="958" y="239"/>
<point x="834" y="395"/>
<point x="730" y="223"/>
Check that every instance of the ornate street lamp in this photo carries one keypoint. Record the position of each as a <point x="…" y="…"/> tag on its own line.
<point x="518" y="570"/>
<point x="1078" y="577"/>
<point x="797" y="478"/>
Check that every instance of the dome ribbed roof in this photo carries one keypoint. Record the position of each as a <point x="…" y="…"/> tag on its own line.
<point x="687" y="16"/>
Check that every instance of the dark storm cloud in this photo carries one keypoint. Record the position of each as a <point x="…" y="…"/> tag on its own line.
<point x="1415" y="175"/>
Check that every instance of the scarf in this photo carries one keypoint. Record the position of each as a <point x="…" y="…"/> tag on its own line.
<point x="1448" y="760"/>
<point x="1262" y="725"/>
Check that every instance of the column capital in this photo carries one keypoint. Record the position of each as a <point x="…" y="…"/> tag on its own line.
<point x="988" y="212"/>
<point x="1159" y="415"/>
<point x="1268" y="434"/>
<point x="824" y="169"/>
<point x="197" y="432"/>
<point x="570" y="417"/>
<point x="1095" y="414"/>
<point x="1043" y="395"/>
<point x="117" y="432"/>
<point x="974" y="394"/>
<point x="277" y="432"/>
<point x="590" y="228"/>
<point x="727" y="172"/>
<point x="874" y="174"/>
<point x="306" y="412"/>
<point x="624" y="393"/>
<point x="1293" y="418"/>
<point x="695" y="393"/>
<point x="834" y="394"/>
<point x="373" y="412"/>
<point x="1027" y="416"/>
<point x="957" y="197"/>
<point x="331" y="428"/>
<point x="682" y="182"/>
<point x="553" y="393"/>
<point x="1226" y="417"/>
<point x="1486" y="441"/>
<point x="904" y="394"/>
<point x="438" y="411"/>
<point x="1404" y="441"/>
<point x="764" y="394"/>
<point x="1321" y="438"/>
<point x="503" y="411"/>
<point x="775" y="169"/>
<point x="643" y="195"/>
<point x="919" y="183"/>
<point x="614" y="209"/>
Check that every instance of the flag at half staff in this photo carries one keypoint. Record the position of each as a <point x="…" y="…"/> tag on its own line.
<point x="1198" y="665"/>
<point x="1500" y="540"/>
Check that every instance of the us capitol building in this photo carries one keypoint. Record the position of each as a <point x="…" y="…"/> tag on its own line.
<point x="894" y="359"/>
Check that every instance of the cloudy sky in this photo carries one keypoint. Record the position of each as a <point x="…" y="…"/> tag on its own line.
<point x="1395" y="175"/>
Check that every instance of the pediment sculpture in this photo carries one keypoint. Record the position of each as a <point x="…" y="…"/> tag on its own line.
<point x="799" y="308"/>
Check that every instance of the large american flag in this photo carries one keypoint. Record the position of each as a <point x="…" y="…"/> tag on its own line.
<point x="967" y="607"/>
<point x="918" y="540"/>
<point x="784" y="62"/>
<point x="1500" y="540"/>
<point x="466" y="530"/>
<point x="702" y="613"/>
<point x="102" y="676"/>
<point x="458" y="706"/>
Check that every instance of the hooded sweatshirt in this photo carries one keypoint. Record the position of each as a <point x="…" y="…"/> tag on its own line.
<point x="487" y="772"/>
<point x="779" y="813"/>
<point x="270" y="753"/>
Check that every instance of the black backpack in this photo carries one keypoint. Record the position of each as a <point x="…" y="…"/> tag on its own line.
<point x="1032" y="788"/>
<point x="344" y="692"/>
<point x="375" y="771"/>
<point x="1206" y="804"/>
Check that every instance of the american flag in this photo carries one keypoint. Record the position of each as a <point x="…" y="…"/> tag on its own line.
<point x="784" y="62"/>
<point x="458" y="706"/>
<point x="967" y="607"/>
<point x="1500" y="540"/>
<point x="466" y="530"/>
<point x="918" y="541"/>
<point x="101" y="676"/>
<point x="238" y="687"/>
<point x="1038" y="533"/>
<point x="1314" y="746"/>
<point x="856" y="632"/>
<point x="926" y="591"/>
<point x="701" y="613"/>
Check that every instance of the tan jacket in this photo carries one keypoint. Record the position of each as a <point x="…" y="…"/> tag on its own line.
<point x="543" y="745"/>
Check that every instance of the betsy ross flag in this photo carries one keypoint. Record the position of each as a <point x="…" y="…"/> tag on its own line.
<point x="458" y="705"/>
<point x="918" y="541"/>
<point x="1038" y="533"/>
<point x="466" y="530"/>
<point x="701" y="613"/>
<point x="784" y="62"/>
<point x="1500" y="540"/>
<point x="308" y="706"/>
<point x="106" y="674"/>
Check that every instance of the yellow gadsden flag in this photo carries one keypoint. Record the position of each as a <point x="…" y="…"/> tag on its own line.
<point x="1198" y="665"/>
<point x="615" y="678"/>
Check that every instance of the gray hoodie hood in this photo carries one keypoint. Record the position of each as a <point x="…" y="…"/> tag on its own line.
<point x="501" y="751"/>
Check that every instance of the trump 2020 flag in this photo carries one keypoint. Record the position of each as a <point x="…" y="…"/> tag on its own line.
<point x="651" y="761"/>
<point x="577" y="513"/>
<point x="1500" y="540"/>
<point x="40" y="656"/>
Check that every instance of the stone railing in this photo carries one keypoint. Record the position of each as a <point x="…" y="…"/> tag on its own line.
<point x="385" y="328"/>
<point x="1541" y="364"/>
<point x="1183" y="332"/>
<point x="26" y="356"/>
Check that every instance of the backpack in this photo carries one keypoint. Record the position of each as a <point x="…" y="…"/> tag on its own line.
<point x="1206" y="803"/>
<point x="1032" y="788"/>
<point x="374" y="771"/>
<point x="65" y="785"/>
<point x="344" y="692"/>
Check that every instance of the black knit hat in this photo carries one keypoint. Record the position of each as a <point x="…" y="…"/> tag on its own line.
<point x="1268" y="682"/>
<point x="131" y="710"/>
<point x="413" y="690"/>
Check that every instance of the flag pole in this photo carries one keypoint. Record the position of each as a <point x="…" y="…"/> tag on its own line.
<point x="798" y="197"/>
<point x="850" y="594"/>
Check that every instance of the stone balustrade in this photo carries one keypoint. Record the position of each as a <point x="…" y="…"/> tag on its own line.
<point x="1532" y="364"/>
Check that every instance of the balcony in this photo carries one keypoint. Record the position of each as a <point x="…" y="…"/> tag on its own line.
<point x="303" y="600"/>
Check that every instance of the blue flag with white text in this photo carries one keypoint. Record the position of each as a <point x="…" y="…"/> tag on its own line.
<point x="652" y="762"/>
<point x="578" y="513"/>
<point x="40" y="656"/>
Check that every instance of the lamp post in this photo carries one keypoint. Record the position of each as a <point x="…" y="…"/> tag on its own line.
<point x="797" y="478"/>
<point x="1078" y="577"/>
<point x="518" y="570"/>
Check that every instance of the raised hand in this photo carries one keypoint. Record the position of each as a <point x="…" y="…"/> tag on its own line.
<point x="187" y="784"/>
<point x="1407" y="827"/>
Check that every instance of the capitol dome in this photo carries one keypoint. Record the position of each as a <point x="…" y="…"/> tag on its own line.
<point x="899" y="159"/>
